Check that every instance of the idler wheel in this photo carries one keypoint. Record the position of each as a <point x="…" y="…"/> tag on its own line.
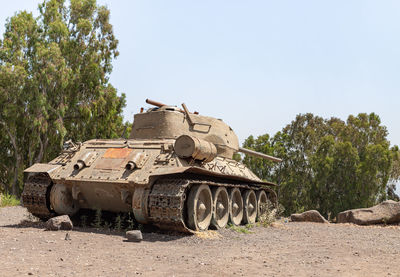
<point x="220" y="207"/>
<point x="61" y="200"/>
<point x="235" y="207"/>
<point x="199" y="208"/>
<point x="262" y="202"/>
<point x="250" y="207"/>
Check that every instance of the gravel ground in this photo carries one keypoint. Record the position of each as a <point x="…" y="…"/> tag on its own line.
<point x="286" y="249"/>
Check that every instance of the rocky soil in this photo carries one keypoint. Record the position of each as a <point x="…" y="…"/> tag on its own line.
<point x="286" y="249"/>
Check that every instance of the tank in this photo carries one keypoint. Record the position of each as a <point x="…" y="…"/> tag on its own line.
<point x="176" y="171"/>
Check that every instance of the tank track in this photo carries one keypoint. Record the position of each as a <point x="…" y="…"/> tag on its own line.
<point x="167" y="204"/>
<point x="167" y="200"/>
<point x="35" y="195"/>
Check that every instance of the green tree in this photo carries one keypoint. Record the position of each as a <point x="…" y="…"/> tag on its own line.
<point x="394" y="177"/>
<point x="54" y="83"/>
<point x="329" y="164"/>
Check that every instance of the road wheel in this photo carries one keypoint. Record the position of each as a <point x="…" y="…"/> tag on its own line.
<point x="262" y="203"/>
<point x="199" y="208"/>
<point x="220" y="207"/>
<point x="250" y="207"/>
<point x="61" y="200"/>
<point x="236" y="207"/>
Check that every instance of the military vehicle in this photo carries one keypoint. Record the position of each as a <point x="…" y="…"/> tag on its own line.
<point x="176" y="171"/>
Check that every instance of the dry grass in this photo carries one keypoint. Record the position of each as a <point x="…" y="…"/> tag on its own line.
<point x="210" y="234"/>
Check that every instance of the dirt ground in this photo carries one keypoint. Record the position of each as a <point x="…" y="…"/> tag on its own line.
<point x="287" y="249"/>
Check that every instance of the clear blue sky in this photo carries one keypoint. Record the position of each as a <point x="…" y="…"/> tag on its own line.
<point x="256" y="64"/>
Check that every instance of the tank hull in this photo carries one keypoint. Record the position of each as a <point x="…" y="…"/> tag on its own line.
<point x="149" y="177"/>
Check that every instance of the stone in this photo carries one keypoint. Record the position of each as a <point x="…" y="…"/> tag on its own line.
<point x="134" y="235"/>
<point x="308" y="216"/>
<point x="62" y="222"/>
<point x="385" y="212"/>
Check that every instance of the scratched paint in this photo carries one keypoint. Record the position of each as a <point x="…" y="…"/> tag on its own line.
<point x="117" y="153"/>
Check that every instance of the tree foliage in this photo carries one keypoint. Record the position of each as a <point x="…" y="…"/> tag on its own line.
<point x="54" y="83"/>
<point x="329" y="164"/>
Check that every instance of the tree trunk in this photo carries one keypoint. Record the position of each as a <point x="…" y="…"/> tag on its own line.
<point x="42" y="150"/>
<point x="15" y="187"/>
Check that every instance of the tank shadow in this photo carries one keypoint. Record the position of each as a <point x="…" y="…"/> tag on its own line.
<point x="27" y="224"/>
<point x="150" y="233"/>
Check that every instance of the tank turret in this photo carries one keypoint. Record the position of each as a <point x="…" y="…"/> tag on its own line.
<point x="169" y="122"/>
<point x="194" y="129"/>
<point x="174" y="171"/>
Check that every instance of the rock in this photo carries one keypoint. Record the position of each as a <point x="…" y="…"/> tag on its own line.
<point x="309" y="216"/>
<point x="385" y="212"/>
<point x="59" y="223"/>
<point x="134" y="235"/>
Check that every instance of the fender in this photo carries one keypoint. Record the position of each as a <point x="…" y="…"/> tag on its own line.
<point x="50" y="169"/>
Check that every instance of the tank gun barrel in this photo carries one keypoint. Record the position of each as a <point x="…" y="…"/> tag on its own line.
<point x="159" y="104"/>
<point x="155" y="103"/>
<point x="257" y="154"/>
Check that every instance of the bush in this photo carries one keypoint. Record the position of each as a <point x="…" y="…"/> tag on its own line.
<point x="269" y="213"/>
<point x="8" y="200"/>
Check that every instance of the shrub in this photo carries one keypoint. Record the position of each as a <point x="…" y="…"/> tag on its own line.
<point x="269" y="213"/>
<point x="7" y="200"/>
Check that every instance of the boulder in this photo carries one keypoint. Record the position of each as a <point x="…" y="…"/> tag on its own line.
<point x="309" y="216"/>
<point x="62" y="222"/>
<point x="134" y="235"/>
<point x="385" y="212"/>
